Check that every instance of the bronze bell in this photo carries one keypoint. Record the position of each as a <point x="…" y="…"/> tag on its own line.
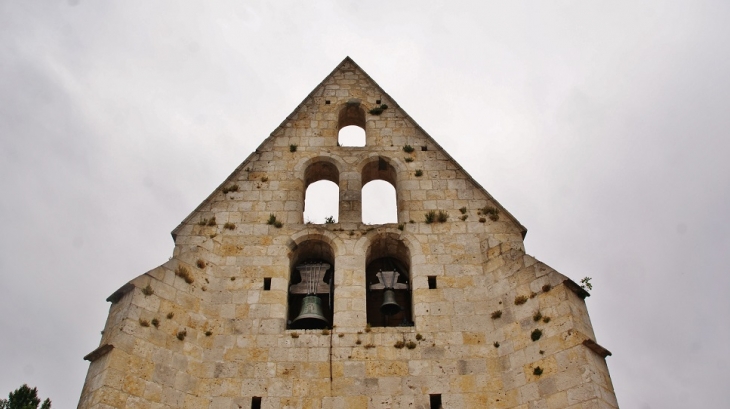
<point x="389" y="306"/>
<point x="310" y="315"/>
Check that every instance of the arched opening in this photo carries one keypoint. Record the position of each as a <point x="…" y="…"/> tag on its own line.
<point x="388" y="281"/>
<point x="352" y="136"/>
<point x="322" y="193"/>
<point x="321" y="202"/>
<point x="311" y="286"/>
<point x="379" y="192"/>
<point x="351" y="125"/>
<point x="379" y="204"/>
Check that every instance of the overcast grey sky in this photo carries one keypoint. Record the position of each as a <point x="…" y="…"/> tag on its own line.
<point x="602" y="126"/>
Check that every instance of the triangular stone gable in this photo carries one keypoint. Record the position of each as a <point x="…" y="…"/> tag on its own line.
<point x="313" y="128"/>
<point x="479" y="323"/>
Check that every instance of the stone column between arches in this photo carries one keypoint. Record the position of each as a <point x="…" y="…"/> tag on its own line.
<point x="350" y="197"/>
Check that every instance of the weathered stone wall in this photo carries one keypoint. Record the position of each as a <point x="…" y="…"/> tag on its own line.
<point x="221" y="339"/>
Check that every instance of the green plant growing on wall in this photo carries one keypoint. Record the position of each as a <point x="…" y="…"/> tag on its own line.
<point x="537" y="371"/>
<point x="418" y="173"/>
<point x="144" y="323"/>
<point x="399" y="344"/>
<point x="232" y="188"/>
<point x="170" y="315"/>
<point x="520" y="299"/>
<point x="292" y="148"/>
<point x="536" y="334"/>
<point x="229" y="226"/>
<point x="482" y="220"/>
<point x="411" y="345"/>
<point x="408" y="159"/>
<point x="462" y="210"/>
<point x="272" y="221"/>
<point x="182" y="334"/>
<point x="208" y="333"/>
<point x="496" y="314"/>
<point x="211" y="222"/>
<point x="295" y="335"/>
<point x="148" y="290"/>
<point x="264" y="179"/>
<point x="156" y="322"/>
<point x="537" y="316"/>
<point x="200" y="263"/>
<point x="490" y="211"/>
<point x="408" y="149"/>
<point x="329" y="220"/>
<point x="378" y="109"/>
<point x="546" y="320"/>
<point x="442" y="216"/>
<point x="585" y="284"/>
<point x="496" y="344"/>
<point x="184" y="273"/>
<point x="464" y="217"/>
<point x="430" y="216"/>
<point x="546" y="288"/>
<point x="401" y="226"/>
<point x="419" y="337"/>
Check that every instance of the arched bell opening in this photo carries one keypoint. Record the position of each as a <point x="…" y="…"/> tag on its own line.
<point x="379" y="201"/>
<point x="321" y="192"/>
<point x="311" y="286"/>
<point x="388" y="282"/>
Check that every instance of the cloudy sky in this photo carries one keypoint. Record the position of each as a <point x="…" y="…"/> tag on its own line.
<point x="602" y="126"/>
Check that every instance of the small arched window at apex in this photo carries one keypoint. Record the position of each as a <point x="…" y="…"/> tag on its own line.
<point x="351" y="136"/>
<point x="351" y="125"/>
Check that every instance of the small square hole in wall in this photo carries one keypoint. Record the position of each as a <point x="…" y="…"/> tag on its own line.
<point x="424" y="148"/>
<point x="435" y="401"/>
<point x="431" y="282"/>
<point x="256" y="402"/>
<point x="377" y="101"/>
<point x="326" y="101"/>
<point x="267" y="284"/>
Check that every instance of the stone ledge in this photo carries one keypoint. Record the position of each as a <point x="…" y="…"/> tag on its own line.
<point x="99" y="352"/>
<point x="117" y="295"/>
<point x="593" y="346"/>
<point x="578" y="290"/>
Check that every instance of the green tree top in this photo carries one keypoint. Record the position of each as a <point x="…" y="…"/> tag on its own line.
<point x="24" y="398"/>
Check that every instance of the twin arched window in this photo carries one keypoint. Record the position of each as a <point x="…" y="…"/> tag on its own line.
<point x="323" y="199"/>
<point x="387" y="281"/>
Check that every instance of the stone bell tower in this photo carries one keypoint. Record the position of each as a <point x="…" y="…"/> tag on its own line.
<point x="258" y="309"/>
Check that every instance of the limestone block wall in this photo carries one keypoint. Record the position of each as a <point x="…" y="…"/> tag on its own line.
<point x="208" y="329"/>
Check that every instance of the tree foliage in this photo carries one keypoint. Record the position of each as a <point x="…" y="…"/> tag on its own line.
<point x="24" y="398"/>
